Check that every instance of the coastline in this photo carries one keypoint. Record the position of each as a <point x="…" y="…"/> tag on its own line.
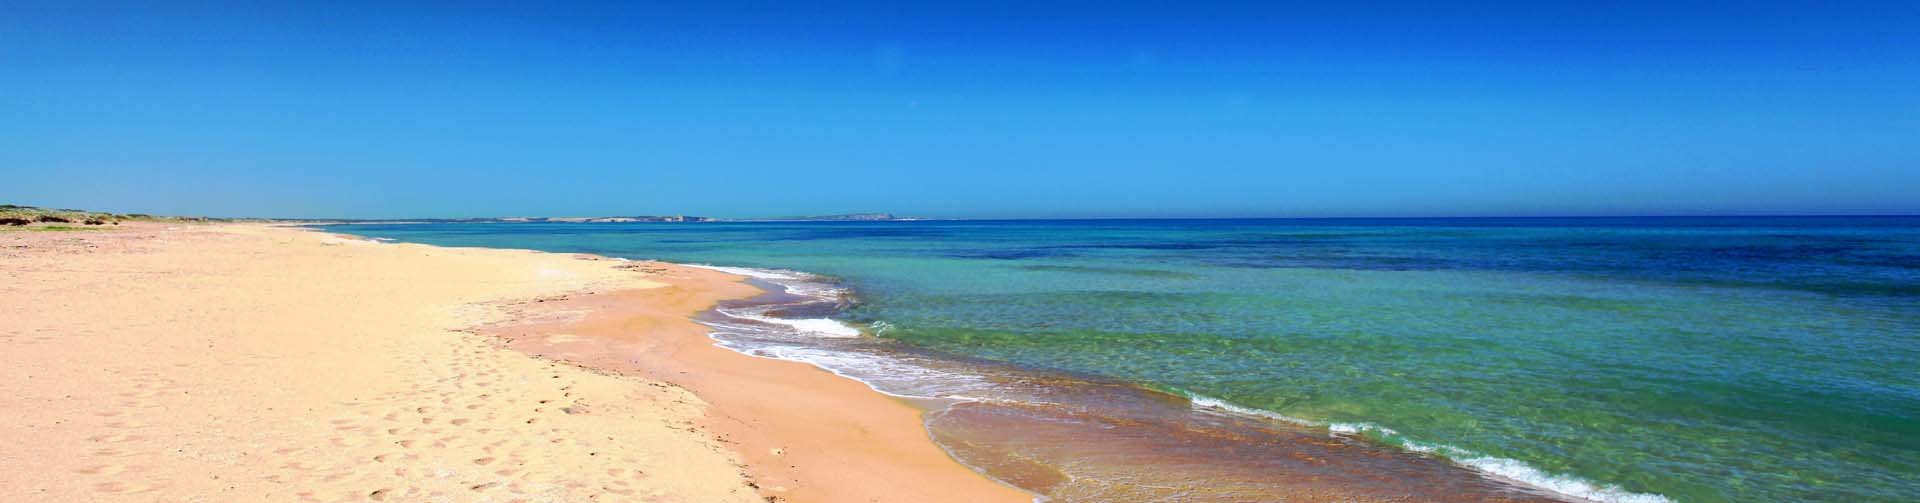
<point x="976" y="412"/>
<point x="804" y="433"/>
<point x="241" y="361"/>
<point x="1005" y="421"/>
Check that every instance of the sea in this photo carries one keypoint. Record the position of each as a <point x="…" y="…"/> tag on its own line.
<point x="1688" y="359"/>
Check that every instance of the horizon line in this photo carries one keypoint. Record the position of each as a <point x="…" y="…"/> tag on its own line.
<point x="1012" y="219"/>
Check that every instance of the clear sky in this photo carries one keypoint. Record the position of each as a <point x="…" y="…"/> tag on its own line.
<point x="970" y="109"/>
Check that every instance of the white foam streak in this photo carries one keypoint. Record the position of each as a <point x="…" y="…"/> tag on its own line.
<point x="1572" y="486"/>
<point x="822" y="327"/>
<point x="796" y="283"/>
<point x="906" y="380"/>
<point x="1206" y="402"/>
<point x="1510" y="470"/>
<point x="755" y="273"/>
<point x="911" y="380"/>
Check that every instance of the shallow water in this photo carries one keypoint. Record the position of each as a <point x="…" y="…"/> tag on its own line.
<point x="1730" y="359"/>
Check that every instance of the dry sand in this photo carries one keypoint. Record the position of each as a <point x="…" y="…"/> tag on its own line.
<point x="248" y="362"/>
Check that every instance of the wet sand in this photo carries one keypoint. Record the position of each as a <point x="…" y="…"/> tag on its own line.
<point x="249" y="362"/>
<point x="805" y="434"/>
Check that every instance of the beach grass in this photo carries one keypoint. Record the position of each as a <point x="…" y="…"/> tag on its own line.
<point x="20" y="217"/>
<point x="51" y="228"/>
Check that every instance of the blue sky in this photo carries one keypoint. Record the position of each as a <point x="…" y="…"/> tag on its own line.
<point x="977" y="109"/>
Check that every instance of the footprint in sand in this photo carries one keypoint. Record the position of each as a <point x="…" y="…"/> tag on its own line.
<point x="118" y="487"/>
<point x="103" y="470"/>
<point x="112" y="452"/>
<point x="115" y="438"/>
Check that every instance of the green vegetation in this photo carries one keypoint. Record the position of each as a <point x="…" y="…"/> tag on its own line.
<point x="58" y="228"/>
<point x="12" y="215"/>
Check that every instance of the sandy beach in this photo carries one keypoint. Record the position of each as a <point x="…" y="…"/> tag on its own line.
<point x="158" y="362"/>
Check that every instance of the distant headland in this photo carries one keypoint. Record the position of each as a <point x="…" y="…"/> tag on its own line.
<point x="18" y="215"/>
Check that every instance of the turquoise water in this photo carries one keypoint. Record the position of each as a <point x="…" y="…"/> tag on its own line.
<point x="1734" y="359"/>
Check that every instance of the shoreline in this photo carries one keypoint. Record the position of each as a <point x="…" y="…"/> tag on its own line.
<point x="996" y="456"/>
<point x="848" y="442"/>
<point x="1037" y="476"/>
<point x="804" y="433"/>
<point x="247" y="361"/>
<point x="783" y="429"/>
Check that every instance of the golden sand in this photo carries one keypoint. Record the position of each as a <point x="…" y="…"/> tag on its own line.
<point x="250" y="362"/>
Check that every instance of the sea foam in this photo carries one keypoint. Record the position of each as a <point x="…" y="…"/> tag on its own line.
<point x="796" y="283"/>
<point x="822" y="327"/>
<point x="1510" y="470"/>
<point x="768" y="274"/>
<point x="864" y="368"/>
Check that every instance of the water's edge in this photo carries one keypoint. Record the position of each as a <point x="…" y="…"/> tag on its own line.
<point x="794" y="322"/>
